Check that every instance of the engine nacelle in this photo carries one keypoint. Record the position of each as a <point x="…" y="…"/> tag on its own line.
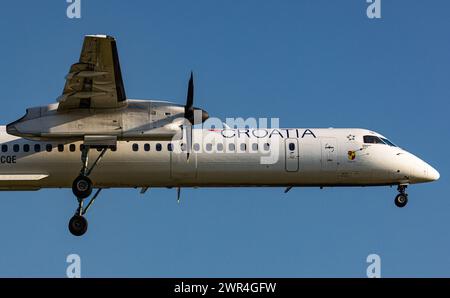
<point x="138" y="119"/>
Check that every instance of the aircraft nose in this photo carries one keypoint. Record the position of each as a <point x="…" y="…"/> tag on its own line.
<point x="418" y="170"/>
<point x="433" y="174"/>
<point x="426" y="173"/>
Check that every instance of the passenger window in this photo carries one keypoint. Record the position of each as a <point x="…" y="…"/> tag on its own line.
<point x="291" y="146"/>
<point x="169" y="147"/>
<point x="72" y="148"/>
<point x="183" y="147"/>
<point x="232" y="147"/>
<point x="146" y="147"/>
<point x="255" y="147"/>
<point x="158" y="147"/>
<point x="266" y="146"/>
<point x="60" y="147"/>
<point x="26" y="148"/>
<point x="208" y="147"/>
<point x="135" y="147"/>
<point x="219" y="147"/>
<point x="196" y="147"/>
<point x="4" y="148"/>
<point x="16" y="148"/>
<point x="48" y="147"/>
<point x="243" y="147"/>
<point x="372" y="140"/>
<point x="37" y="148"/>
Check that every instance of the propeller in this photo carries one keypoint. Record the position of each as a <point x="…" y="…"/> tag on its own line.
<point x="189" y="114"/>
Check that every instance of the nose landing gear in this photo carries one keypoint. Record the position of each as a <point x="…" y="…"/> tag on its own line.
<point x="402" y="198"/>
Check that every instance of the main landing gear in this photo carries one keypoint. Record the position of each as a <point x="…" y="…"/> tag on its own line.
<point x="82" y="189"/>
<point x="402" y="198"/>
<point x="78" y="224"/>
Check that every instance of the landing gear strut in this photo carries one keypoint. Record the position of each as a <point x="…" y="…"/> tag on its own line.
<point x="82" y="188"/>
<point x="402" y="198"/>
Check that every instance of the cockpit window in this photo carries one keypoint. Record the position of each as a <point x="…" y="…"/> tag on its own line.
<point x="372" y="140"/>
<point x="388" y="142"/>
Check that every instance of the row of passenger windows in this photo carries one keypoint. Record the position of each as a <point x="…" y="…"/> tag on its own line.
<point x="170" y="146"/>
<point x="39" y="148"/>
<point x="197" y="147"/>
<point x="135" y="147"/>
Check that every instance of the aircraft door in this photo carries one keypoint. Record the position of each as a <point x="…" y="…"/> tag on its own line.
<point x="291" y="155"/>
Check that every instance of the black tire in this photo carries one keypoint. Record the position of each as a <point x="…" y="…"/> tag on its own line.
<point x="82" y="187"/>
<point x="78" y="225"/>
<point x="401" y="200"/>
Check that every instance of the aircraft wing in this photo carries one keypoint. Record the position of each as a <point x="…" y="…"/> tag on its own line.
<point x="95" y="81"/>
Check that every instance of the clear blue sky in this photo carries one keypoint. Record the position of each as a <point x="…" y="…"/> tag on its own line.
<point x="310" y="63"/>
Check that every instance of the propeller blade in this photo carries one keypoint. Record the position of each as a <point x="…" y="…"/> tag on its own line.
<point x="189" y="107"/>
<point x="189" y="114"/>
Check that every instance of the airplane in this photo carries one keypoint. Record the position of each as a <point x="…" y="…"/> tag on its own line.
<point x="94" y="137"/>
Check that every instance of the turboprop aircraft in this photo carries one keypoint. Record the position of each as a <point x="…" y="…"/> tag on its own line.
<point x="150" y="143"/>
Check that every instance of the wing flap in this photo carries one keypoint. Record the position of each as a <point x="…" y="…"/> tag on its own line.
<point x="94" y="82"/>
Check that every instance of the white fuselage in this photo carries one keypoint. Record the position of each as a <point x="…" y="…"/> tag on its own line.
<point x="293" y="157"/>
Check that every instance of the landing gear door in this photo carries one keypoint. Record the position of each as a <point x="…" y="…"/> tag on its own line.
<point x="291" y="154"/>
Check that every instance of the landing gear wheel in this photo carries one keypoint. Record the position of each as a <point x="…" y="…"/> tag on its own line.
<point x="82" y="187"/>
<point x="401" y="200"/>
<point x="78" y="225"/>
